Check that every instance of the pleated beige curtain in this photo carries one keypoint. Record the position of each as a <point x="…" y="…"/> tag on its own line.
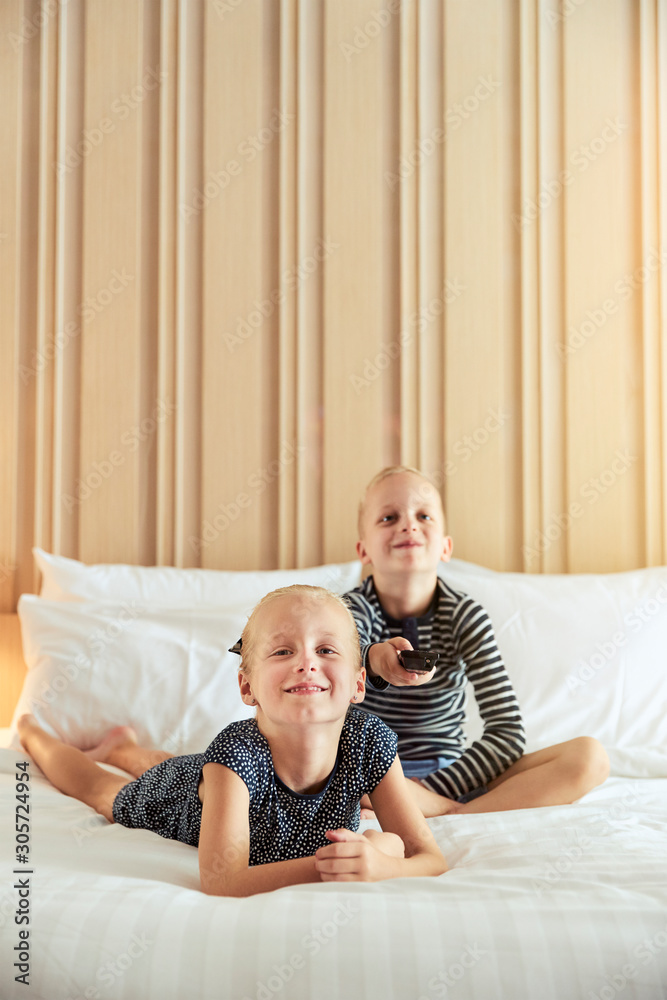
<point x="253" y="250"/>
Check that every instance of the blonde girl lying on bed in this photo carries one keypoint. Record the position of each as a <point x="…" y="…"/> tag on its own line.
<point x="274" y="800"/>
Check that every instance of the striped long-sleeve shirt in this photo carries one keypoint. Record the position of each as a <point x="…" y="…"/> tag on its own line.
<point x="428" y="718"/>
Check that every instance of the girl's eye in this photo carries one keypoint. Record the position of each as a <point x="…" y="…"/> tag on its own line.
<point x="427" y="517"/>
<point x="387" y="517"/>
<point x="282" y="652"/>
<point x="326" y="649"/>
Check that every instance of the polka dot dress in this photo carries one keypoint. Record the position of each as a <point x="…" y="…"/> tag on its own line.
<point x="283" y="824"/>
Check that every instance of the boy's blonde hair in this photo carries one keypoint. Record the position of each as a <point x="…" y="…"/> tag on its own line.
<point x="393" y="470"/>
<point x="304" y="591"/>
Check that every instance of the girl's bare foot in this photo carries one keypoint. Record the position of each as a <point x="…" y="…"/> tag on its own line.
<point x="120" y="748"/>
<point x="23" y="726"/>
<point x="121" y="736"/>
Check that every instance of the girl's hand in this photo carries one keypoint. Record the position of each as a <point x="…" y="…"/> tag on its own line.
<point x="352" y="857"/>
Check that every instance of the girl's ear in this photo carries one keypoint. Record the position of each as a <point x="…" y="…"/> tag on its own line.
<point x="246" y="692"/>
<point x="360" y="688"/>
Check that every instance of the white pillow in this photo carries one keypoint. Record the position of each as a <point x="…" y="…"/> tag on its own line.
<point x="69" y="580"/>
<point x="165" y="671"/>
<point x="587" y="654"/>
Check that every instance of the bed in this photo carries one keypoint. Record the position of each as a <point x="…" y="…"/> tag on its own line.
<point x="539" y="904"/>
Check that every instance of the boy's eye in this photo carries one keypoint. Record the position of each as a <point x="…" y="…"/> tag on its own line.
<point x="387" y="517"/>
<point x="427" y="517"/>
<point x="326" y="649"/>
<point x="282" y="652"/>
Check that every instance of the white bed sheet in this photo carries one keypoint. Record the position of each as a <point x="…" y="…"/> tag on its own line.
<point x="559" y="903"/>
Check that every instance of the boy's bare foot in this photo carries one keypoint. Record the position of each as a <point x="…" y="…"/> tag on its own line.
<point x="120" y="736"/>
<point x="430" y="803"/>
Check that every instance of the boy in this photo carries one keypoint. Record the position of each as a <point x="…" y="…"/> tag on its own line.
<point x="405" y="605"/>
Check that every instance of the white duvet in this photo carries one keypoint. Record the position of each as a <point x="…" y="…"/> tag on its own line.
<point x="540" y="904"/>
<point x="563" y="903"/>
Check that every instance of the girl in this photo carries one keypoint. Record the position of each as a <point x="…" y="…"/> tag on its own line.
<point x="274" y="800"/>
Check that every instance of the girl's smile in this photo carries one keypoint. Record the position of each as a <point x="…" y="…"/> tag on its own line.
<point x="307" y="658"/>
<point x="306" y="688"/>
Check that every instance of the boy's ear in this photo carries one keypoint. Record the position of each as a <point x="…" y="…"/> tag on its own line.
<point x="447" y="549"/>
<point x="363" y="554"/>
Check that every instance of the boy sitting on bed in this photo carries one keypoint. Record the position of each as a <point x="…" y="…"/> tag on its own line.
<point x="405" y="605"/>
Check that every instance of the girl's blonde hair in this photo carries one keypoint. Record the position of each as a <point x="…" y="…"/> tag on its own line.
<point x="306" y="592"/>
<point x="392" y="470"/>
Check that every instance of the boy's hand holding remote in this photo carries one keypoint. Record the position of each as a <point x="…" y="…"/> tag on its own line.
<point x="384" y="661"/>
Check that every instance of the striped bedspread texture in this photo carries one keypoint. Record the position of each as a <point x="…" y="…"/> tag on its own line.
<point x="539" y="904"/>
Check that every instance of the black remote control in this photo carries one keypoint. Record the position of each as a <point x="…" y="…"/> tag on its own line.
<point x="418" y="661"/>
